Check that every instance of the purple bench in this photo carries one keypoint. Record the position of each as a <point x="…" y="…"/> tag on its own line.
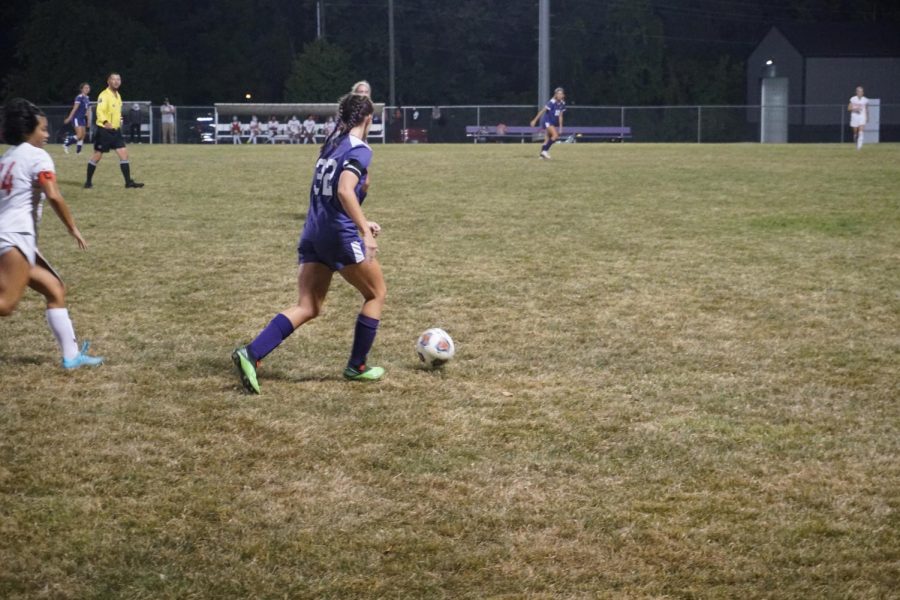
<point x="477" y="132"/>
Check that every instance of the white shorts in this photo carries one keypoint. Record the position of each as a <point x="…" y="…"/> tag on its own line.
<point x="25" y="242"/>
<point x="857" y="119"/>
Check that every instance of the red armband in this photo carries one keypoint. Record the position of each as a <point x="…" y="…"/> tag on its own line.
<point x="46" y="176"/>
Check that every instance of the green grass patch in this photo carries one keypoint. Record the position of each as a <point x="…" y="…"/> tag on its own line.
<point x="676" y="376"/>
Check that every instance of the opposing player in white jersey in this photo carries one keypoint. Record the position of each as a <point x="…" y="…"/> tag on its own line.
<point x="859" y="116"/>
<point x="27" y="176"/>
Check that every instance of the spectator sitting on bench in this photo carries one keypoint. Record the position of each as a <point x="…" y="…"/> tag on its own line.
<point x="273" y="129"/>
<point x="309" y="130"/>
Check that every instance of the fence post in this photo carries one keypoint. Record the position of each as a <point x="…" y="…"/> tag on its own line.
<point x="622" y="118"/>
<point x="842" y="124"/>
<point x="699" y="122"/>
<point x="478" y="116"/>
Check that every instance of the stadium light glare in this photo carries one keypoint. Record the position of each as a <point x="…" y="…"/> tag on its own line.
<point x="770" y="62"/>
<point x="248" y="96"/>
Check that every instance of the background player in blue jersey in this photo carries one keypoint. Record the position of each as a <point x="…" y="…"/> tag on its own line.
<point x="336" y="237"/>
<point x="80" y="117"/>
<point x="552" y="120"/>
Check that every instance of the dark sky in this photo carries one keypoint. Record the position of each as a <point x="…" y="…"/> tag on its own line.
<point x="467" y="51"/>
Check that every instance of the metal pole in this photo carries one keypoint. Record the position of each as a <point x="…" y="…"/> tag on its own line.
<point x="699" y="126"/>
<point x="320" y="20"/>
<point x="543" y="51"/>
<point x="842" y="124"/>
<point x="391" y="69"/>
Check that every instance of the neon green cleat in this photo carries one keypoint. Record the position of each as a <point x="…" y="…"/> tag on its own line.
<point x="246" y="369"/>
<point x="364" y="373"/>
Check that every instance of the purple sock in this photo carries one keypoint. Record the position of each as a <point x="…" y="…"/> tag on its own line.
<point x="363" y="338"/>
<point x="278" y="329"/>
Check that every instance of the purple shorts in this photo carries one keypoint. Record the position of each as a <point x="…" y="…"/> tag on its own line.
<point x="335" y="252"/>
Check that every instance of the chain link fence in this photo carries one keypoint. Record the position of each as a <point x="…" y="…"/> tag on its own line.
<point x="447" y="124"/>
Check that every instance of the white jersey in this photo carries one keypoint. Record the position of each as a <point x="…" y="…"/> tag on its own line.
<point x="858" y="105"/>
<point x="21" y="198"/>
<point x="294" y="125"/>
<point x="309" y="126"/>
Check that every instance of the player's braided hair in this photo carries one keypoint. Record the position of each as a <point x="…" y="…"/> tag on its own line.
<point x="352" y="110"/>
<point x="19" y="119"/>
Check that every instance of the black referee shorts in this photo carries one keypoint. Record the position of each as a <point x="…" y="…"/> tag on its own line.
<point x="108" y="139"/>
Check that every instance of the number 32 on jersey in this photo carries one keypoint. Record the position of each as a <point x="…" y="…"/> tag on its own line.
<point x="324" y="180"/>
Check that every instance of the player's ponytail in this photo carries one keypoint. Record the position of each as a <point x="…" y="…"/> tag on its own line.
<point x="352" y="110"/>
<point x="18" y="121"/>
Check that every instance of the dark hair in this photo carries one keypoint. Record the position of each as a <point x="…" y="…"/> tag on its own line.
<point x="19" y="120"/>
<point x="81" y="85"/>
<point x="352" y="110"/>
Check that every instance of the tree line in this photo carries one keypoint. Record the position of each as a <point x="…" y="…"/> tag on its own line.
<point x="464" y="52"/>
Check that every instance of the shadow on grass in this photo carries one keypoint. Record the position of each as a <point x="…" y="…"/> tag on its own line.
<point x="24" y="360"/>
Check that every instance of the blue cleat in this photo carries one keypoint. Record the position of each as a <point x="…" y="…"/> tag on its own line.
<point x="82" y="359"/>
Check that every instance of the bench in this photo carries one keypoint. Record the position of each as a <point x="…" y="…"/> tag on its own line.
<point x="224" y="135"/>
<point x="570" y="133"/>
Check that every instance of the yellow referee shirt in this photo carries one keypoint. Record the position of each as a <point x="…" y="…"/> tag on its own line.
<point x="109" y="108"/>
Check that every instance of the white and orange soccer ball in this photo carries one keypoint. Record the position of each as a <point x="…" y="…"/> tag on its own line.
<point x="435" y="347"/>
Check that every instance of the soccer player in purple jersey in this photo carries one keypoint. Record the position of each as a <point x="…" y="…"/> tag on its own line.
<point x="552" y="120"/>
<point x="336" y="237"/>
<point x="80" y="116"/>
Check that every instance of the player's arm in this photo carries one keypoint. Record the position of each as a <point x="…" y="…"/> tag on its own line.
<point x="538" y="116"/>
<point x="849" y="107"/>
<point x="347" y="197"/>
<point x="47" y="181"/>
<point x="71" y="113"/>
<point x="89" y="115"/>
<point x="561" y="121"/>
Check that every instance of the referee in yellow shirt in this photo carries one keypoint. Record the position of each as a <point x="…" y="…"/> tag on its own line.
<point x="109" y="132"/>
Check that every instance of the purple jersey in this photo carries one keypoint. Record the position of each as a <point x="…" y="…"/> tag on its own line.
<point x="328" y="228"/>
<point x="84" y="103"/>
<point x="555" y="109"/>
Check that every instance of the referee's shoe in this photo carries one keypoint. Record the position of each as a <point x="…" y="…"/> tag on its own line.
<point x="134" y="184"/>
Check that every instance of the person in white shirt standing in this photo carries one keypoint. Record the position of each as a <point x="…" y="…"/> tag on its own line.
<point x="168" y="122"/>
<point x="27" y="177"/>
<point x="859" y="116"/>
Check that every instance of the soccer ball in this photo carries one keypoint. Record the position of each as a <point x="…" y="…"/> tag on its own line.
<point x="434" y="347"/>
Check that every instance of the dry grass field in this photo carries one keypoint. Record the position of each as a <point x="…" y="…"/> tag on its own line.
<point x="676" y="377"/>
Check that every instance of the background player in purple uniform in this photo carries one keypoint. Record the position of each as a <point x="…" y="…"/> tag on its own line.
<point x="336" y="237"/>
<point x="80" y="116"/>
<point x="552" y="120"/>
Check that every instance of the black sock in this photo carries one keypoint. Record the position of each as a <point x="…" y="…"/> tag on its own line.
<point x="126" y="170"/>
<point x="92" y="166"/>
